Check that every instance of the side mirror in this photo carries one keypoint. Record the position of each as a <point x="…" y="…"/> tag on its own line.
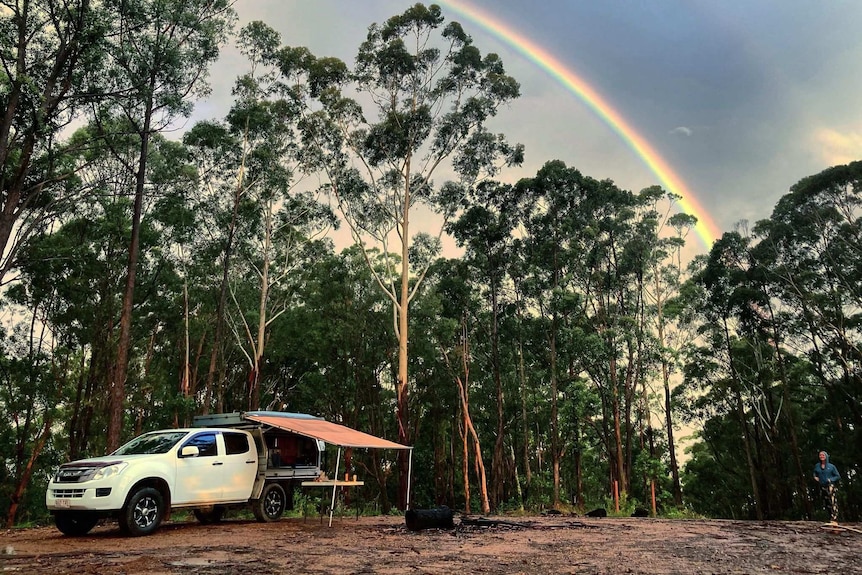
<point x="190" y="451"/>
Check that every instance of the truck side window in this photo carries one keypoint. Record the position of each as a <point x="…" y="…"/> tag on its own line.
<point x="206" y="444"/>
<point x="235" y="443"/>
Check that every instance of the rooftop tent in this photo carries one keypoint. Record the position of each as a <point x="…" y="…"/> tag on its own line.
<point x="339" y="435"/>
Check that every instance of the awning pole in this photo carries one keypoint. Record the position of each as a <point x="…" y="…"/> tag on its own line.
<point x="409" y="476"/>
<point x="334" y="487"/>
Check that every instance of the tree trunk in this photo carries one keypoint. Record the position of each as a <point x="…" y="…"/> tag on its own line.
<point x="480" y="467"/>
<point x="665" y="377"/>
<point x="671" y="444"/>
<point x="555" y="425"/>
<point x="440" y="465"/>
<point x="628" y="402"/>
<point x="403" y="405"/>
<point x="193" y="376"/>
<point x="497" y="465"/>
<point x="81" y="408"/>
<point x="552" y="364"/>
<point x="668" y="413"/>
<point x="258" y="346"/>
<point x="469" y="429"/>
<point x="525" y="424"/>
<point x="215" y="355"/>
<point x="465" y="464"/>
<point x="24" y="480"/>
<point x="117" y="391"/>
<point x="185" y="384"/>
<point x="579" y="473"/>
<point x="450" y="470"/>
<point x="618" y="439"/>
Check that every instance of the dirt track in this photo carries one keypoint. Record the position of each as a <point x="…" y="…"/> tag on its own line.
<point x="541" y="545"/>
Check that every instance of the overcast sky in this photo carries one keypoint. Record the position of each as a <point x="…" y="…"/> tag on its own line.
<point x="741" y="98"/>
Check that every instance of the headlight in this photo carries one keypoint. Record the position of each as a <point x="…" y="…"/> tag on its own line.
<point x="110" y="470"/>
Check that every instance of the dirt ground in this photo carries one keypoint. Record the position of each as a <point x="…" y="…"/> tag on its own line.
<point x="542" y="545"/>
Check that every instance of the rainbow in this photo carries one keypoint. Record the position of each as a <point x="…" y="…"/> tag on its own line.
<point x="706" y="229"/>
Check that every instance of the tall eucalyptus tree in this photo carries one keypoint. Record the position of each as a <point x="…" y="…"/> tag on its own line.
<point x="157" y="56"/>
<point x="485" y="230"/>
<point x="551" y="241"/>
<point x="431" y="93"/>
<point x="224" y="151"/>
<point x="665" y="238"/>
<point x="456" y="335"/>
<point x="726" y="299"/>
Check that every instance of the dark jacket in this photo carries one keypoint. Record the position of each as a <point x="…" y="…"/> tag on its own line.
<point x="827" y="474"/>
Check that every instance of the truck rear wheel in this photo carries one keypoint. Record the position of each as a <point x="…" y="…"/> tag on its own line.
<point x="143" y="512"/>
<point x="271" y="504"/>
<point x="75" y="523"/>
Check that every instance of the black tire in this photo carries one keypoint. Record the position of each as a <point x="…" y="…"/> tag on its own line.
<point x="75" y="523"/>
<point x="271" y="504"/>
<point x="143" y="512"/>
<point x="208" y="515"/>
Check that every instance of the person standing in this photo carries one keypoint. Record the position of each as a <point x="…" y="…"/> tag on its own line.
<point x="827" y="477"/>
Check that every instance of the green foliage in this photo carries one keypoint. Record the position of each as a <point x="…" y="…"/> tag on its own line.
<point x="45" y="62"/>
<point x="540" y="492"/>
<point x="627" y="505"/>
<point x="714" y="488"/>
<point x="681" y="513"/>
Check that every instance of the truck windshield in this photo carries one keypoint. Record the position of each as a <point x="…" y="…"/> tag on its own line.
<point x="159" y="442"/>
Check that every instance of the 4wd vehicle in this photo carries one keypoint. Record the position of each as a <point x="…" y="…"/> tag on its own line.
<point x="208" y="469"/>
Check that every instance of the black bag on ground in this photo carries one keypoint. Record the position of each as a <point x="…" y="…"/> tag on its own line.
<point x="439" y="518"/>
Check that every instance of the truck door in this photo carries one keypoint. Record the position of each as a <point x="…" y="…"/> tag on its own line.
<point x="240" y="466"/>
<point x="199" y="478"/>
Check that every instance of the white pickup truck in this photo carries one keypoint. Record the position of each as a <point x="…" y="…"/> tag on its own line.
<point x="206" y="469"/>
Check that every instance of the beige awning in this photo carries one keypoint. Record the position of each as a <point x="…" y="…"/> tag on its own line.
<point x="324" y="430"/>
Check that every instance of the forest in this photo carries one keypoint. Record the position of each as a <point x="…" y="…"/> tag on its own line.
<point x="572" y="349"/>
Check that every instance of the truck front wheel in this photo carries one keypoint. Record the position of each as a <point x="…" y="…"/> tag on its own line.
<point x="75" y="523"/>
<point x="271" y="504"/>
<point x="143" y="513"/>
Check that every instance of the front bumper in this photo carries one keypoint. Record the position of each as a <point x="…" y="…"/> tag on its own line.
<point x="86" y="496"/>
